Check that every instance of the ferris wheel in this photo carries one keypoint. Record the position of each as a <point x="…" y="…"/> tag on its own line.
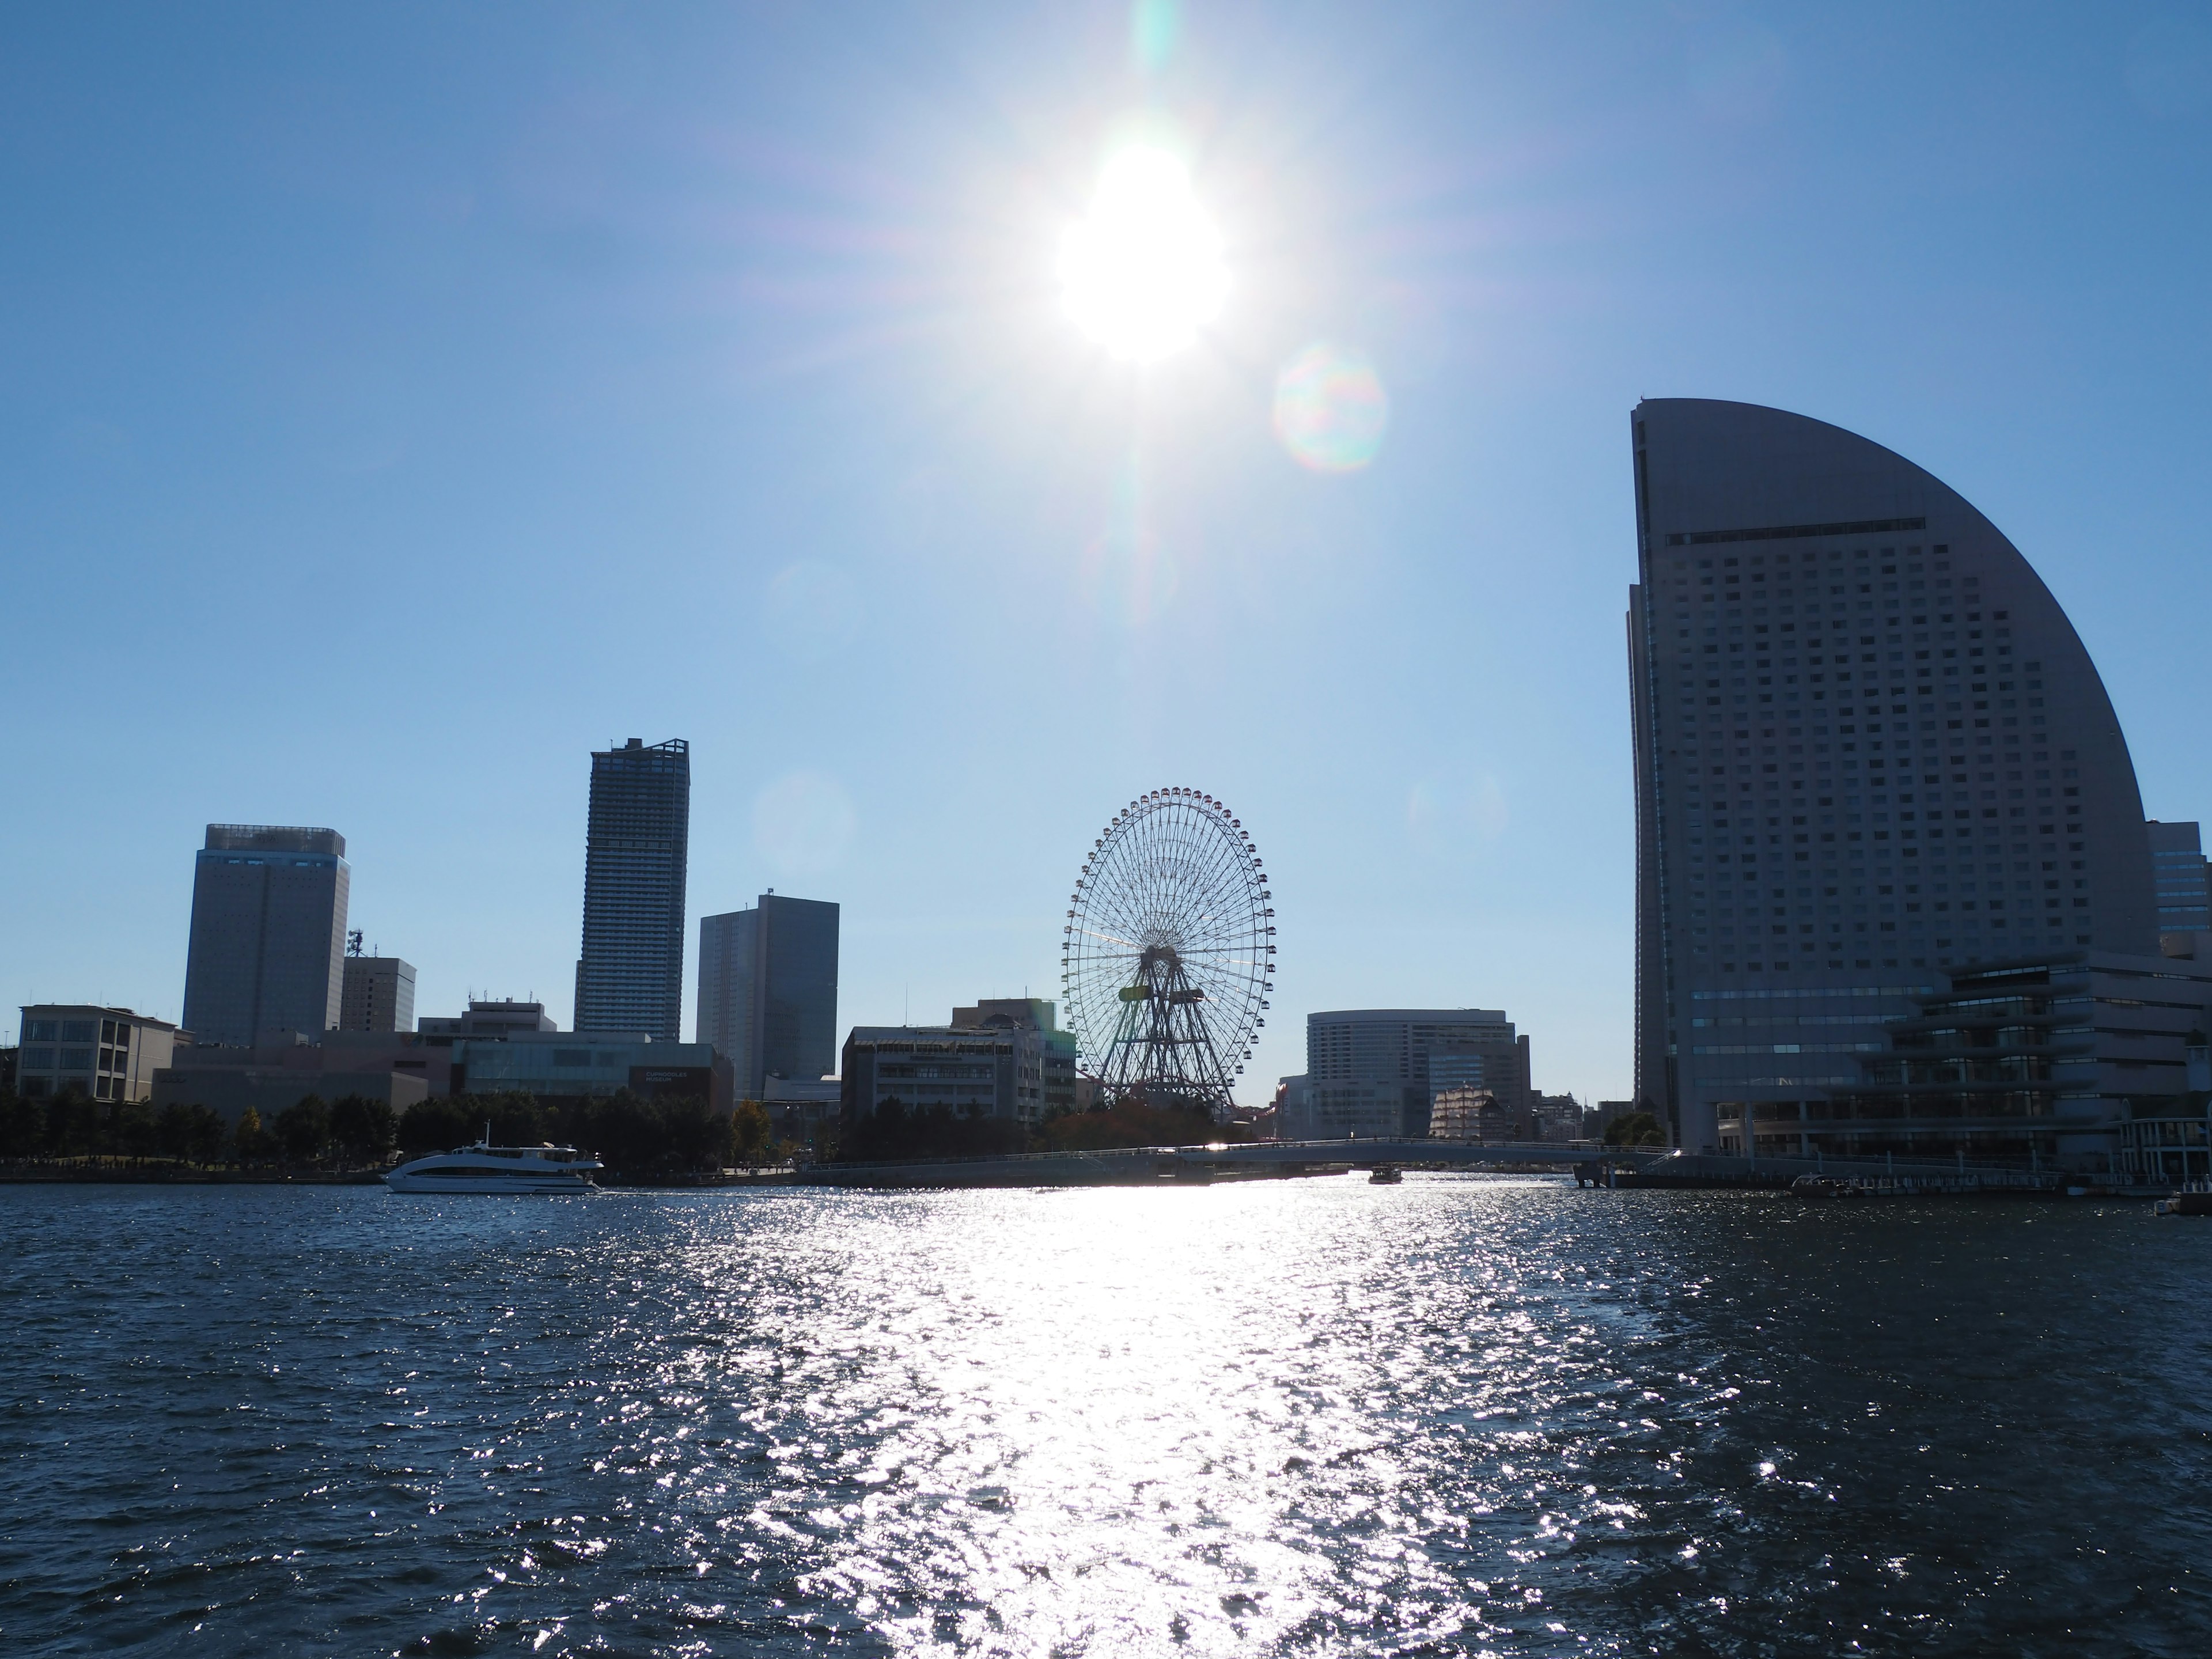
<point x="1169" y="953"/>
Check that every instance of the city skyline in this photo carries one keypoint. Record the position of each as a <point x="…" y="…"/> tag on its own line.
<point x="598" y="333"/>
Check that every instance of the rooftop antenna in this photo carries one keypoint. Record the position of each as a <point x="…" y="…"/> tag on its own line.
<point x="353" y="943"/>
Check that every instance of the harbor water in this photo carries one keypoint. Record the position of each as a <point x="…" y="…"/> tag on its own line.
<point x="1459" y="1415"/>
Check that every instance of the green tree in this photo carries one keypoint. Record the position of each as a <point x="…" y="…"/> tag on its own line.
<point x="749" y="1133"/>
<point x="366" y="1130"/>
<point x="204" y="1145"/>
<point x="1635" y="1129"/>
<point x="172" y="1130"/>
<point x="303" y="1129"/>
<point x="132" y="1129"/>
<point x="437" y="1125"/>
<point x="249" y="1137"/>
<point x="73" y="1125"/>
<point x="23" y="1128"/>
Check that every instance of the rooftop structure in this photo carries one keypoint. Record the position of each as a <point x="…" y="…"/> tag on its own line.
<point x="491" y="1021"/>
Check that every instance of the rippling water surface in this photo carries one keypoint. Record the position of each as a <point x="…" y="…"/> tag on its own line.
<point x="1456" y="1416"/>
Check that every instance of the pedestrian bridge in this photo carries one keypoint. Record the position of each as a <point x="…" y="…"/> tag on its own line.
<point x="1230" y="1160"/>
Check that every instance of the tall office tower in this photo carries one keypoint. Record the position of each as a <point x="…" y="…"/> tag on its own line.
<point x="768" y="991"/>
<point x="378" y="995"/>
<point x="2183" y="885"/>
<point x="1868" y="747"/>
<point x="1363" y="1063"/>
<point x="269" y="923"/>
<point x="630" y="977"/>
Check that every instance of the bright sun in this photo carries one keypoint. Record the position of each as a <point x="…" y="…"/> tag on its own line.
<point x="1143" y="273"/>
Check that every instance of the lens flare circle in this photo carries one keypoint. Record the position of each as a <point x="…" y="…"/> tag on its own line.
<point x="1143" y="274"/>
<point x="1330" y="409"/>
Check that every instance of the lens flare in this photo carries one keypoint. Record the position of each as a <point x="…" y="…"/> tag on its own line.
<point x="1143" y="273"/>
<point x="1330" y="409"/>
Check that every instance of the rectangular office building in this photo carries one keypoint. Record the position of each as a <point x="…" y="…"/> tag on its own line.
<point x="378" y="994"/>
<point x="2179" y="877"/>
<point x="629" y="979"/>
<point x="103" y="1054"/>
<point x="1415" y="1051"/>
<point x="768" y="991"/>
<point x="268" y="938"/>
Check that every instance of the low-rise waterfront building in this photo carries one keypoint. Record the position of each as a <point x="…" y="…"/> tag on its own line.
<point x="801" y="1109"/>
<point x="565" y="1067"/>
<point x="1463" y="1112"/>
<point x="287" y="1067"/>
<point x="971" y="1073"/>
<point x="104" y="1054"/>
<point x="2041" y="1063"/>
<point x="1340" y="1108"/>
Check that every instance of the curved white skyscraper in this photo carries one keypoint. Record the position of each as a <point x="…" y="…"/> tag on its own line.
<point x="1869" y="746"/>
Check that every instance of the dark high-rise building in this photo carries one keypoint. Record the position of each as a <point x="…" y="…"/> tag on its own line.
<point x="630" y="976"/>
<point x="768" y="991"/>
<point x="2178" y="872"/>
<point x="1869" y="748"/>
<point x="268" y="938"/>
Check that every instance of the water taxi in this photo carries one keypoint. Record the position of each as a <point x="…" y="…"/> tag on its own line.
<point x="484" y="1168"/>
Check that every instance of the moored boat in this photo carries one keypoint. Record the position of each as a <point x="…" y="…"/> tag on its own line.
<point x="2195" y="1198"/>
<point x="484" y="1168"/>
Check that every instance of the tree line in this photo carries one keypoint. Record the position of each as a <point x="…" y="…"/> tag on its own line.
<point x="636" y="1137"/>
<point x="350" y="1132"/>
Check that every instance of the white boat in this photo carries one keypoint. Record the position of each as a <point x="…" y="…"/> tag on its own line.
<point x="484" y="1168"/>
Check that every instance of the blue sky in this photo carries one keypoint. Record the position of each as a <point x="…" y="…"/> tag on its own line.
<point x="398" y="403"/>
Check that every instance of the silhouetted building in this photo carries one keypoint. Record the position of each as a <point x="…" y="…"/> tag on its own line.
<point x="268" y="938"/>
<point x="2044" y="1060"/>
<point x="630" y="976"/>
<point x="768" y="990"/>
<point x="970" y="1073"/>
<point x="2179" y="878"/>
<point x="1869" y="748"/>
<point x="104" y="1054"/>
<point x="1413" y="1050"/>
<point x="377" y="994"/>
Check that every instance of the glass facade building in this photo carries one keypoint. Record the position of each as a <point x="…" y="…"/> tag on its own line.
<point x="1869" y="748"/>
<point x="630" y="976"/>
<point x="268" y="933"/>
<point x="768" y="990"/>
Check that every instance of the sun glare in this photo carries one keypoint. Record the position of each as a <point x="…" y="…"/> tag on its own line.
<point x="1143" y="273"/>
